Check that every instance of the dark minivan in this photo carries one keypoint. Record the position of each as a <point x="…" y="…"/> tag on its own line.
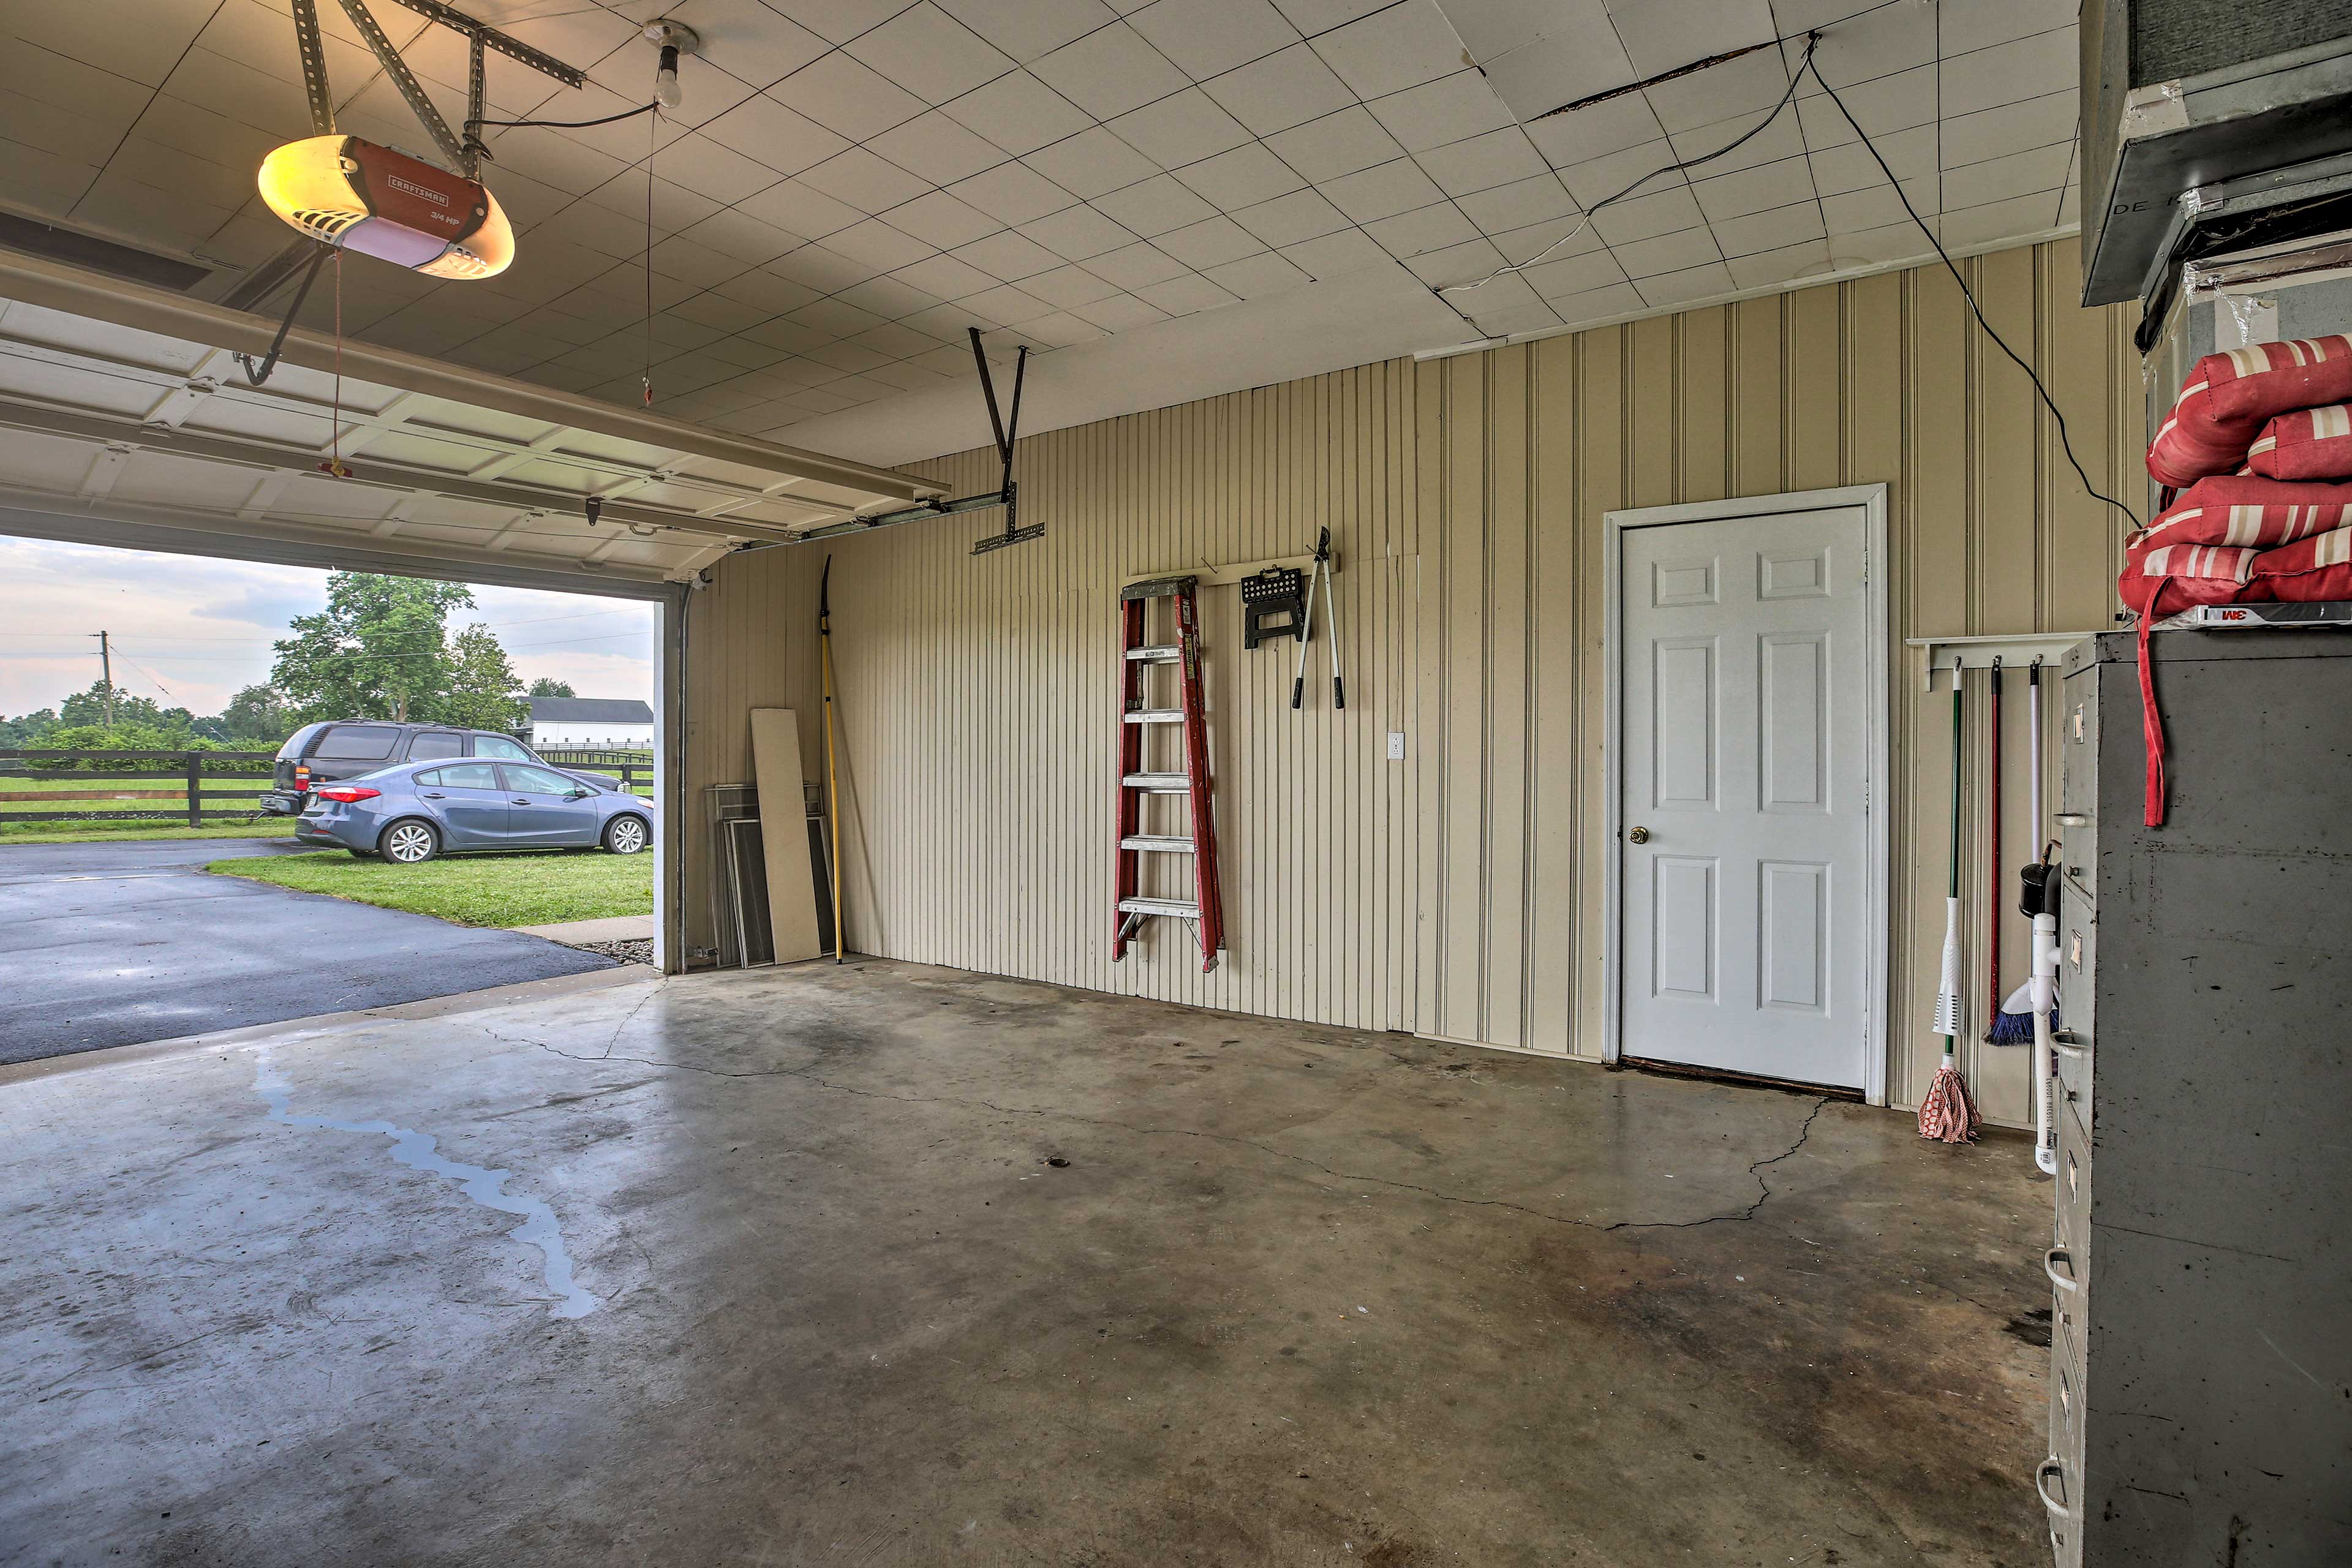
<point x="345" y="748"/>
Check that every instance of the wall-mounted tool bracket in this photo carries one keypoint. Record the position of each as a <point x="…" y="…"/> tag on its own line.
<point x="1273" y="605"/>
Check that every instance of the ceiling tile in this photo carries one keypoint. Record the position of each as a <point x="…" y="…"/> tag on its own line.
<point x="1257" y="276"/>
<point x="674" y="207"/>
<point x="1447" y="109"/>
<point x="1210" y="243"/>
<point x="750" y="43"/>
<point x="1337" y="255"/>
<point x="1136" y="267"/>
<point x="1293" y="219"/>
<point x="848" y="96"/>
<point x="1765" y="268"/>
<point x="1012" y="193"/>
<point x="1574" y="274"/>
<point x="1336" y="144"/>
<point x="1109" y="71"/>
<point x="1068" y="287"/>
<point x="1981" y="24"/>
<point x="1483" y="162"/>
<point x="1782" y="137"/>
<point x="864" y="180"/>
<point x="1006" y="306"/>
<point x="1120" y="313"/>
<point x="2007" y="73"/>
<point x="1518" y="203"/>
<point x="1639" y="218"/>
<point x="1184" y="295"/>
<point x="145" y="53"/>
<point x="1876" y="206"/>
<point x="1403" y="45"/>
<point x="1538" y="78"/>
<point x="1436" y="227"/>
<point x="1754" y="190"/>
<point x="703" y="166"/>
<point x="936" y="148"/>
<point x="1207" y="37"/>
<point x="1061" y="330"/>
<point x="1998" y="179"/>
<point x="1091" y="163"/>
<point x="1705" y="282"/>
<point x="1027" y="29"/>
<point x="891" y="297"/>
<point x="737" y="234"/>
<point x="1243" y="177"/>
<point x="1493" y="28"/>
<point x="1284" y="89"/>
<point x="945" y="277"/>
<point x="826" y="270"/>
<point x="1154" y="205"/>
<point x="930" y="53"/>
<point x="1770" y="230"/>
<point x="942" y="220"/>
<point x="1182" y="128"/>
<point x="838" y="317"/>
<point x="1456" y="264"/>
<point x="800" y="209"/>
<point x="1537" y="317"/>
<point x="1008" y="257"/>
<point x="1747" y="87"/>
<point x="836" y="21"/>
<point x="768" y="292"/>
<point x="1385" y="189"/>
<point x="1880" y="42"/>
<point x="1552" y="239"/>
<point x="1076" y="233"/>
<point x="1998" y="133"/>
<point x="784" y="138"/>
<point x="1664" y="35"/>
<point x="1891" y="103"/>
<point x="1910" y="153"/>
<point x="1313" y="17"/>
<point x="1019" y="113"/>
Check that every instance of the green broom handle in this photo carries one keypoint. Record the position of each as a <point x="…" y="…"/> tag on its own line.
<point x="1954" y="890"/>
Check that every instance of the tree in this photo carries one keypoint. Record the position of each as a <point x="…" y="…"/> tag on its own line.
<point x="378" y="650"/>
<point x="482" y="692"/>
<point x="90" y="706"/>
<point x="258" y="713"/>
<point x="548" y="685"/>
<point x="28" y="729"/>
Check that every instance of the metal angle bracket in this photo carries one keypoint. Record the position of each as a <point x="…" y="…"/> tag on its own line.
<point x="1007" y="428"/>
<point x="468" y="153"/>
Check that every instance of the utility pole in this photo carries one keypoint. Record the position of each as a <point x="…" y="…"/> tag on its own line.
<point x="106" y="663"/>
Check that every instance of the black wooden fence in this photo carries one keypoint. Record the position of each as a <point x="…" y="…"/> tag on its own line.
<point x="30" y="776"/>
<point x="634" y="769"/>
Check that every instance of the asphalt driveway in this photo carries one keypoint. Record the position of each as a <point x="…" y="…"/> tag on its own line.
<point x="111" y="944"/>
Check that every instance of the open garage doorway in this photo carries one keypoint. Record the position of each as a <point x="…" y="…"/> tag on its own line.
<point x="404" y="490"/>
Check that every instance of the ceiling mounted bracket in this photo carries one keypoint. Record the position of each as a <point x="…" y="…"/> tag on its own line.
<point x="468" y="153"/>
<point x="313" y="51"/>
<point x="1008" y="431"/>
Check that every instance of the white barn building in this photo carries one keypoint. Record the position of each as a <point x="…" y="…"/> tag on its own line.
<point x="600" y="722"/>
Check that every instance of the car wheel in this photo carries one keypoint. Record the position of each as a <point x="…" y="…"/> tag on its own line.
<point x="625" y="835"/>
<point x="409" y="843"/>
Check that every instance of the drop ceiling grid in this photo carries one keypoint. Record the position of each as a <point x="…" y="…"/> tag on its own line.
<point x="1183" y="115"/>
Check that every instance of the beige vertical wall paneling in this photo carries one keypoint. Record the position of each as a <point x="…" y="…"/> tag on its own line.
<point x="1456" y="892"/>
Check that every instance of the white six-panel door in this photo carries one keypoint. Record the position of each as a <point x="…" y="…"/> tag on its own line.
<point x="1744" y="735"/>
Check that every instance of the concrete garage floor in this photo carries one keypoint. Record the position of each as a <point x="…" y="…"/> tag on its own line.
<point x="1297" y="1296"/>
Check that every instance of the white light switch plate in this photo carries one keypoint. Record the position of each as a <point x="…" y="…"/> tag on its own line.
<point x="1396" y="745"/>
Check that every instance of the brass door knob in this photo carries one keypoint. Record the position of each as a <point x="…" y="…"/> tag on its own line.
<point x="1639" y="836"/>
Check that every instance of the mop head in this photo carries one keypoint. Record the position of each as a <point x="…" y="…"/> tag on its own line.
<point x="1946" y="1114"/>
<point x="2013" y="1025"/>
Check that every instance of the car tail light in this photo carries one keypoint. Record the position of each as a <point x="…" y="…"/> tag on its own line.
<point x="349" y="792"/>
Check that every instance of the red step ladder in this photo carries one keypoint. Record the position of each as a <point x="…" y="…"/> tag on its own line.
<point x="1131" y="908"/>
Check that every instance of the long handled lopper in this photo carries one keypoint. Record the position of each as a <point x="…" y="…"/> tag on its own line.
<point x="1322" y="573"/>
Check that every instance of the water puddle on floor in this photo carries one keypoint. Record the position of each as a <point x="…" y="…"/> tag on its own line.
<point x="418" y="1152"/>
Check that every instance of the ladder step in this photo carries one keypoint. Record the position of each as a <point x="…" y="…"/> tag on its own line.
<point x="1163" y="844"/>
<point x="1176" y="907"/>
<point x="1158" y="784"/>
<point x="1168" y="655"/>
<point x="1156" y="716"/>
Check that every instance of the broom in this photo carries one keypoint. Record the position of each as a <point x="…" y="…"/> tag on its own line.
<point x="2014" y="1023"/>
<point x="1946" y="1113"/>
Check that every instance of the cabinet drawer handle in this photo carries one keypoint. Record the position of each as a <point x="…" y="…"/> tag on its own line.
<point x="2072" y="819"/>
<point x="2069" y="1044"/>
<point x="2067" y="1281"/>
<point x="2041" y="1486"/>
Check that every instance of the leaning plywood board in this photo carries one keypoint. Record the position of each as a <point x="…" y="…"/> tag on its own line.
<point x="791" y="885"/>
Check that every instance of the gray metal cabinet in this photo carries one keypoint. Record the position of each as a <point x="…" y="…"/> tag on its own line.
<point x="2200" y="1397"/>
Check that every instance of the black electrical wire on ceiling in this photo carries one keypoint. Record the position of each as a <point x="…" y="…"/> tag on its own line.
<point x="567" y="124"/>
<point x="2041" y="391"/>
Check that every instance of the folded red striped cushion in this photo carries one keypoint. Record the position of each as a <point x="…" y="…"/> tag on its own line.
<point x="2306" y="444"/>
<point x="2243" y="510"/>
<point x="2228" y="396"/>
<point x="2318" y="569"/>
<point x="2180" y="576"/>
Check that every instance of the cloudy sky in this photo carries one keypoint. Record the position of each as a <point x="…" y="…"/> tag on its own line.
<point x="189" y="631"/>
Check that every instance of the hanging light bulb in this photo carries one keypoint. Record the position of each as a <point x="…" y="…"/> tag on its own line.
<point x="674" y="38"/>
<point x="356" y="195"/>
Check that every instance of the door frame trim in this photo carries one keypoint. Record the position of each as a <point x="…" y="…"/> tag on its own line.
<point x="1877" y="754"/>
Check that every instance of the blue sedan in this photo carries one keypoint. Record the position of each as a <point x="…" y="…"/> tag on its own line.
<point x="414" y="811"/>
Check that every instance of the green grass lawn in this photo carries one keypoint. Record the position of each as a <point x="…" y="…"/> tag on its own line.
<point x="473" y="890"/>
